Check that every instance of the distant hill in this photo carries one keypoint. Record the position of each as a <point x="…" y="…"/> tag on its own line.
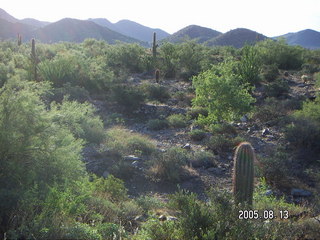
<point x="103" y="22"/>
<point x="236" y="38"/>
<point x="34" y="22"/>
<point x="6" y="16"/>
<point x="132" y="29"/>
<point x="306" y="38"/>
<point x="193" y="32"/>
<point x="74" y="30"/>
<point x="10" y="30"/>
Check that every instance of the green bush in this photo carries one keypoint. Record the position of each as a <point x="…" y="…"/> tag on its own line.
<point x="177" y="121"/>
<point x="197" y="134"/>
<point x="195" y="112"/>
<point x="278" y="88"/>
<point x="317" y="78"/>
<point x="81" y="231"/>
<point x="80" y="120"/>
<point x="129" y="98"/>
<point x="221" y="143"/>
<point x="303" y="134"/>
<point x="220" y="91"/>
<point x="270" y="72"/>
<point x="156" y="92"/>
<point x="275" y="168"/>
<point x="304" y="131"/>
<point x="280" y="53"/>
<point x="157" y="124"/>
<point x="223" y="128"/>
<point x="125" y="142"/>
<point x="167" y="166"/>
<point x="249" y="65"/>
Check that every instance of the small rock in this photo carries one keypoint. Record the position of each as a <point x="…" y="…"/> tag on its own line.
<point x="244" y="118"/>
<point x="105" y="174"/>
<point x="268" y="192"/>
<point x="172" y="218"/>
<point x="301" y="85"/>
<point x="187" y="146"/>
<point x="141" y="218"/>
<point x="132" y="158"/>
<point x="162" y="218"/>
<point x="296" y="192"/>
<point x="135" y="164"/>
<point x="265" y="132"/>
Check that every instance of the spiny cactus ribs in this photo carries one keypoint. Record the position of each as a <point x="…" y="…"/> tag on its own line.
<point x="243" y="174"/>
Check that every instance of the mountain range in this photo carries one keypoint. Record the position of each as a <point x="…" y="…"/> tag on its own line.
<point x="75" y="30"/>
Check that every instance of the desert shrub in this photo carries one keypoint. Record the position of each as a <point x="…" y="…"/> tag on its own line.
<point x="128" y="58"/>
<point x="263" y="201"/>
<point x="220" y="91"/>
<point x="202" y="159"/>
<point x="125" y="142"/>
<point x="129" y="210"/>
<point x="80" y="119"/>
<point x="309" y="68"/>
<point x="169" y="59"/>
<point x="156" y="230"/>
<point x="111" y="231"/>
<point x="112" y="188"/>
<point x="167" y="166"/>
<point x="223" y="128"/>
<point x="195" y="112"/>
<point x="303" y="134"/>
<point x="304" y="131"/>
<point x="249" y="65"/>
<point x="280" y="53"/>
<point x="148" y="203"/>
<point x="64" y="68"/>
<point x="73" y="93"/>
<point x="81" y="231"/>
<point x="317" y="78"/>
<point x="221" y="143"/>
<point x="3" y="74"/>
<point x="275" y="111"/>
<point x="277" y="88"/>
<point x="177" y="121"/>
<point x="197" y="134"/>
<point x="157" y="124"/>
<point x="129" y="98"/>
<point x="270" y="72"/>
<point x="156" y="92"/>
<point x="274" y="168"/>
<point x="115" y="119"/>
<point x="195" y="218"/>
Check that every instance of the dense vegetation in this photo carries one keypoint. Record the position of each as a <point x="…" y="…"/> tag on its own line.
<point x="48" y="116"/>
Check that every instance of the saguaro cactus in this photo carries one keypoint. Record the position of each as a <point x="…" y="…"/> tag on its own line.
<point x="154" y="46"/>
<point x="34" y="59"/>
<point x="243" y="174"/>
<point x="157" y="75"/>
<point x="19" y="39"/>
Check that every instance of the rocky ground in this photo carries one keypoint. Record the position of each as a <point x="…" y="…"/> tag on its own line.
<point x="264" y="137"/>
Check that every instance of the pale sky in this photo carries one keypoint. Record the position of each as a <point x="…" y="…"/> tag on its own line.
<point x="269" y="17"/>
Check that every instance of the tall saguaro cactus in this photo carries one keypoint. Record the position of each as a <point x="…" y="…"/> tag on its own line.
<point x="34" y="59"/>
<point x="243" y="174"/>
<point x="154" y="49"/>
<point x="19" y="39"/>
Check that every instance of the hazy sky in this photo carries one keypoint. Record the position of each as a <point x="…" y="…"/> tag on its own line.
<point x="269" y="17"/>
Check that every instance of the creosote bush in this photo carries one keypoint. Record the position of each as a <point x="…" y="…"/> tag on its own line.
<point x="177" y="120"/>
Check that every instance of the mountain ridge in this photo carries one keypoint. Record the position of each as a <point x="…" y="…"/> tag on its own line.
<point x="130" y="31"/>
